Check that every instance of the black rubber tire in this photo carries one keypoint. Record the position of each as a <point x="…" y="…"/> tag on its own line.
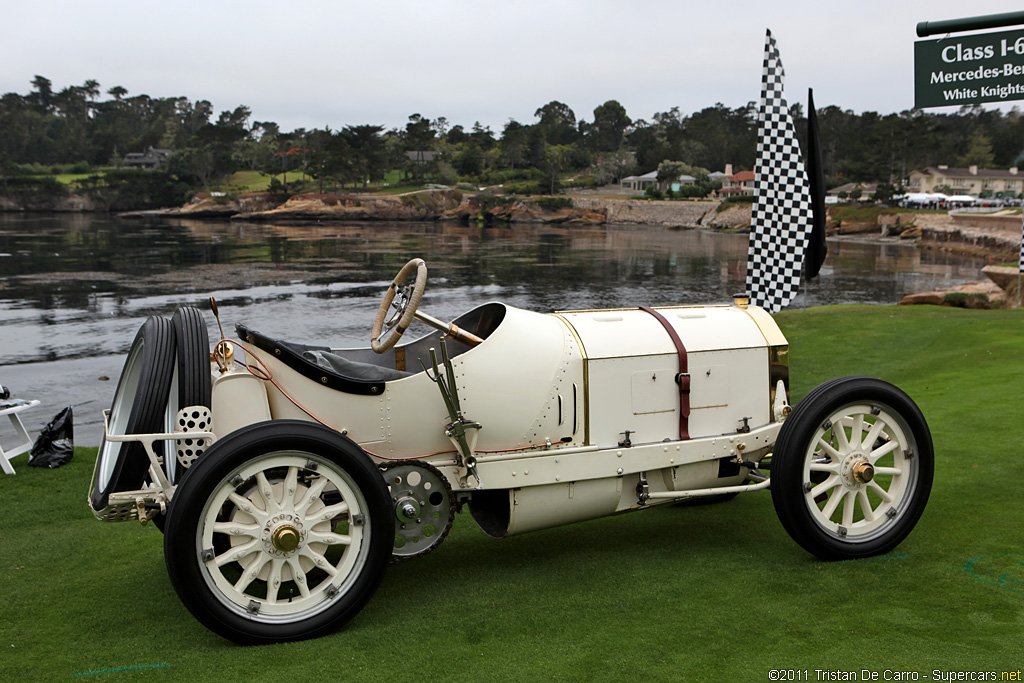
<point x="813" y="529"/>
<point x="244" y="452"/>
<point x="191" y="385"/>
<point x="137" y="408"/>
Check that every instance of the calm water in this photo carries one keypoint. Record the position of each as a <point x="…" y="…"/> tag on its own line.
<point x="74" y="289"/>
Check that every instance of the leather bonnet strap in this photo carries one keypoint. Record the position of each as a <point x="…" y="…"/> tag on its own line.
<point x="682" y="377"/>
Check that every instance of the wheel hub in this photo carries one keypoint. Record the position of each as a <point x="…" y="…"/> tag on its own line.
<point x="407" y="510"/>
<point x="863" y="472"/>
<point x="282" y="535"/>
<point x="856" y="470"/>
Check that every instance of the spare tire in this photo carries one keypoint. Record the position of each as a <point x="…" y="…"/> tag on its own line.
<point x="138" y="408"/>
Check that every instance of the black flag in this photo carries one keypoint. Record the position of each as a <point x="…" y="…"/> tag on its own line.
<point x="816" y="247"/>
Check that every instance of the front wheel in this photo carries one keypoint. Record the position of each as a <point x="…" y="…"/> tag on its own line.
<point x="852" y="469"/>
<point x="281" y="531"/>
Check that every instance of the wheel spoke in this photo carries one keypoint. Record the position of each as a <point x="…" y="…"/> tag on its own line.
<point x="270" y="502"/>
<point x="312" y="494"/>
<point x="882" y="493"/>
<point x="824" y="467"/>
<point x="894" y="471"/>
<point x="248" y="506"/>
<point x="849" y="498"/>
<point x="274" y="580"/>
<point x="319" y="560"/>
<point x="881" y="451"/>
<point x="250" y="572"/>
<point x="236" y="553"/>
<point x="328" y="537"/>
<point x="236" y="529"/>
<point x="299" y="576"/>
<point x="291" y="485"/>
<point x="833" y="502"/>
<point x="857" y="431"/>
<point x="328" y="513"/>
<point x="829" y="448"/>
<point x="824" y="486"/>
<point x="873" y="433"/>
<point x="839" y="430"/>
<point x="865" y="506"/>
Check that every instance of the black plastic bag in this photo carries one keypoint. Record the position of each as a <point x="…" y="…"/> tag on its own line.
<point x="56" y="443"/>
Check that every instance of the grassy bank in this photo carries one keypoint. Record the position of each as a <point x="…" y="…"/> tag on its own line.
<point x="714" y="593"/>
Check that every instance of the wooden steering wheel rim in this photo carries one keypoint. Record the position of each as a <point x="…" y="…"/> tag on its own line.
<point x="383" y="345"/>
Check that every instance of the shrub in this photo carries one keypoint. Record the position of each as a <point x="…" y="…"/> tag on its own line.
<point x="554" y="203"/>
<point x="652" y="192"/>
<point x="487" y="202"/>
<point x="531" y="187"/>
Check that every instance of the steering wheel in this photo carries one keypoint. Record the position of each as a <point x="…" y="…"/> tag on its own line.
<point x="399" y="306"/>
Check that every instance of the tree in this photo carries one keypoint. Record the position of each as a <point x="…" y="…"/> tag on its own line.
<point x="609" y="127"/>
<point x="611" y="167"/>
<point x="668" y="172"/>
<point x="513" y="144"/>
<point x="557" y="123"/>
<point x="556" y="159"/>
<point x="42" y="98"/>
<point x="884" y="193"/>
<point x="419" y="134"/>
<point x="979" y="152"/>
<point x="368" y="151"/>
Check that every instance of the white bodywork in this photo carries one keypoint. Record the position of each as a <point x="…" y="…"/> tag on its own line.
<point x="555" y="395"/>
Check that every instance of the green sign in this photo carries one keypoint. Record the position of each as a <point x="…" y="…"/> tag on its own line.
<point x="954" y="71"/>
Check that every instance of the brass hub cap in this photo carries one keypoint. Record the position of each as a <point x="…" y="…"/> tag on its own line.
<point x="856" y="470"/>
<point x="282" y="535"/>
<point x="863" y="472"/>
<point x="285" y="538"/>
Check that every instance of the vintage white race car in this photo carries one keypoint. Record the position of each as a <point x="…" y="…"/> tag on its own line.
<point x="287" y="483"/>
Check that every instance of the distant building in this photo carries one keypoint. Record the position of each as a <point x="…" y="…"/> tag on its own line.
<point x="639" y="183"/>
<point x="967" y="181"/>
<point x="422" y="156"/>
<point x="866" y="190"/>
<point x="150" y="160"/>
<point x="744" y="182"/>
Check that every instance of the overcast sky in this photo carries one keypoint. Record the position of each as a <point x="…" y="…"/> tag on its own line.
<point x="316" y="63"/>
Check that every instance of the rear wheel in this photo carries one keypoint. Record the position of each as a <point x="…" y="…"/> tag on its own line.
<point x="852" y="469"/>
<point x="281" y="531"/>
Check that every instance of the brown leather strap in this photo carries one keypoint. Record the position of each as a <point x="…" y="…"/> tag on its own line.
<point x="683" y="376"/>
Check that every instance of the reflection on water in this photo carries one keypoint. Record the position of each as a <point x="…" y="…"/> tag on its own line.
<point x="75" y="288"/>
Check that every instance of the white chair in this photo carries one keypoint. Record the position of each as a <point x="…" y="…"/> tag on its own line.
<point x="11" y="408"/>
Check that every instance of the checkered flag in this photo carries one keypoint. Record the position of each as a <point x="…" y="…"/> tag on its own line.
<point x="781" y="218"/>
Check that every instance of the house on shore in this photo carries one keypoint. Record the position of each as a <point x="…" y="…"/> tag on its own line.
<point x="849" y="189"/>
<point x="979" y="182"/>
<point x="639" y="183"/>
<point x="742" y="183"/>
<point x="150" y="160"/>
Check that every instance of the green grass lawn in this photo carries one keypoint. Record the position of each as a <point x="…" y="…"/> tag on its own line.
<point x="713" y="593"/>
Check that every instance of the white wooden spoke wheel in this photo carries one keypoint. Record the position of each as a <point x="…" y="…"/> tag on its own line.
<point x="286" y="539"/>
<point x="281" y="531"/>
<point x="852" y="468"/>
